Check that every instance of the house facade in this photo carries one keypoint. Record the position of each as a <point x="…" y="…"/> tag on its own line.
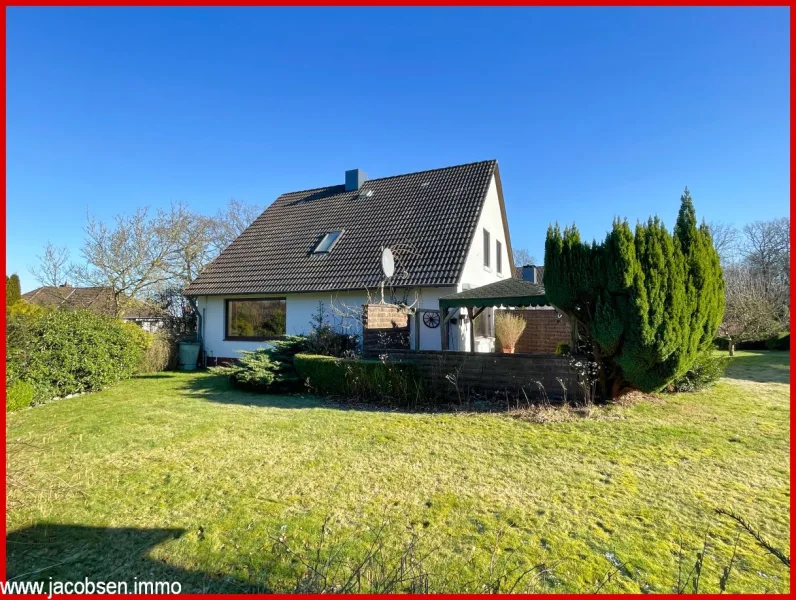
<point x="446" y="230"/>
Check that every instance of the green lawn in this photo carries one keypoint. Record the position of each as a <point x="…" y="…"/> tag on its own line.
<point x="180" y="476"/>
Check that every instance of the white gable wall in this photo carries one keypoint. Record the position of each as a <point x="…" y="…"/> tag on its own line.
<point x="475" y="273"/>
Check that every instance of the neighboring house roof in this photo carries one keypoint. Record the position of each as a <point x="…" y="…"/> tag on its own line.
<point x="96" y="299"/>
<point x="507" y="292"/>
<point x="428" y="218"/>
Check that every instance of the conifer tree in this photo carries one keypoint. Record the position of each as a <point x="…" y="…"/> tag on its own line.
<point x="646" y="302"/>
<point x="13" y="289"/>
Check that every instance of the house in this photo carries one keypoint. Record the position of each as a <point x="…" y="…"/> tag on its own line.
<point x="99" y="300"/>
<point x="446" y="230"/>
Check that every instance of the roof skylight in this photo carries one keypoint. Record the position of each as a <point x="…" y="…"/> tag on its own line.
<point x="328" y="241"/>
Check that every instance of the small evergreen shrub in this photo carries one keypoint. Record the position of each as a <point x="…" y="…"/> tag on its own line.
<point x="325" y="340"/>
<point x="19" y="394"/>
<point x="706" y="371"/>
<point x="562" y="349"/>
<point x="267" y="369"/>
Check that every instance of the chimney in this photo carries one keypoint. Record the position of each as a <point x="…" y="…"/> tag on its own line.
<point x="354" y="179"/>
<point x="529" y="273"/>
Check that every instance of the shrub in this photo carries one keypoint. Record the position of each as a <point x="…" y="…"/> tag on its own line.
<point x="562" y="349"/>
<point x="324" y="340"/>
<point x="779" y="342"/>
<point x="13" y="291"/>
<point x="394" y="384"/>
<point x="267" y="369"/>
<point x="508" y="329"/>
<point x="19" y="394"/>
<point x="161" y="355"/>
<point x="69" y="352"/>
<point x="703" y="373"/>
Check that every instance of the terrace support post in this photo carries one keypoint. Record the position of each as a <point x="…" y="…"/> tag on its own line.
<point x="471" y="318"/>
<point x="417" y="330"/>
<point x="443" y="329"/>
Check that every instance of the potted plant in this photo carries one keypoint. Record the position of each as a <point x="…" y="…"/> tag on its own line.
<point x="508" y="329"/>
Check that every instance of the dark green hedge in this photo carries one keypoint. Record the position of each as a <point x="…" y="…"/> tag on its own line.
<point x="68" y="352"/>
<point x="373" y="381"/>
<point x="777" y="342"/>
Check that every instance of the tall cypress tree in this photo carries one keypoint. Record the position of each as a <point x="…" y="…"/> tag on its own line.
<point x="13" y="289"/>
<point x="647" y="301"/>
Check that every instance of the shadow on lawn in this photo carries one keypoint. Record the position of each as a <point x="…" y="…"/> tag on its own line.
<point x="772" y="366"/>
<point x="217" y="388"/>
<point x="76" y="552"/>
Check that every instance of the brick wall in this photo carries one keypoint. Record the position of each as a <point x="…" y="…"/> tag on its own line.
<point x="543" y="331"/>
<point x="383" y="327"/>
<point x="492" y="373"/>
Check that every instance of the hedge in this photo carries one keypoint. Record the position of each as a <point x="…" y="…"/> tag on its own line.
<point x="394" y="384"/>
<point x="62" y="352"/>
<point x="776" y="342"/>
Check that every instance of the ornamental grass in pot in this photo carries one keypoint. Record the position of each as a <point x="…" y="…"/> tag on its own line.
<point x="508" y="329"/>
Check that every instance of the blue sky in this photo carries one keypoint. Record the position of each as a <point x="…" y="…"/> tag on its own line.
<point x="591" y="112"/>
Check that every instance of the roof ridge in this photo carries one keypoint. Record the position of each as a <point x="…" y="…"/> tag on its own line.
<point x="469" y="164"/>
<point x="327" y="187"/>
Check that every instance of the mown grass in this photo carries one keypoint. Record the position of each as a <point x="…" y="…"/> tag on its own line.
<point x="180" y="476"/>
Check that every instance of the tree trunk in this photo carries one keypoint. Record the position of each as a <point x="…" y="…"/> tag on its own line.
<point x="731" y="348"/>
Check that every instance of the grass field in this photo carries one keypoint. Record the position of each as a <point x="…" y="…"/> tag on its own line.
<point x="179" y="476"/>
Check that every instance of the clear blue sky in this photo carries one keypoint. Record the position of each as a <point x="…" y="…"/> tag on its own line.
<point x="591" y="113"/>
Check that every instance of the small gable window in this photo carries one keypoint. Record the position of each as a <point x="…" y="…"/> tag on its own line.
<point x="327" y="242"/>
<point x="487" y="247"/>
<point x="498" y="257"/>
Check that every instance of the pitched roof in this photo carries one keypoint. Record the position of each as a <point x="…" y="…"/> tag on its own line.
<point x="508" y="292"/>
<point x="98" y="299"/>
<point x="427" y="218"/>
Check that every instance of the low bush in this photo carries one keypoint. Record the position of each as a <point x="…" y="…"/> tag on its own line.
<point x="703" y="373"/>
<point x="267" y="369"/>
<point x="160" y="355"/>
<point x="19" y="394"/>
<point x="779" y="342"/>
<point x="562" y="349"/>
<point x="325" y="340"/>
<point x="373" y="381"/>
<point x="69" y="352"/>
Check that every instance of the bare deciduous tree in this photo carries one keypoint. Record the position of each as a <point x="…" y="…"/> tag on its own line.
<point x="725" y="239"/>
<point x="54" y="268"/>
<point x="133" y="254"/>
<point x="751" y="312"/>
<point x="522" y="257"/>
<point x="766" y="246"/>
<point x="230" y="222"/>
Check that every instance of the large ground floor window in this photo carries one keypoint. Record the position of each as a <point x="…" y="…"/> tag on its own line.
<point x="255" y="319"/>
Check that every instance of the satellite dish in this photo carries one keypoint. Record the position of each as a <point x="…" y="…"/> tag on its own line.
<point x="387" y="262"/>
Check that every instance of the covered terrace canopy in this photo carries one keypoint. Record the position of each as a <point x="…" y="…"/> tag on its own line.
<point x="508" y="292"/>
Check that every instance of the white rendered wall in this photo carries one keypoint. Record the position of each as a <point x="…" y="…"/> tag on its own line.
<point x="300" y="309"/>
<point x="474" y="273"/>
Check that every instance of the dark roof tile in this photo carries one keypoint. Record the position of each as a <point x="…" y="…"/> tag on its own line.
<point x="426" y="218"/>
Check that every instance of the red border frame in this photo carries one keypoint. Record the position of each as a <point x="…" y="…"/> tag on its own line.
<point x="365" y="3"/>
